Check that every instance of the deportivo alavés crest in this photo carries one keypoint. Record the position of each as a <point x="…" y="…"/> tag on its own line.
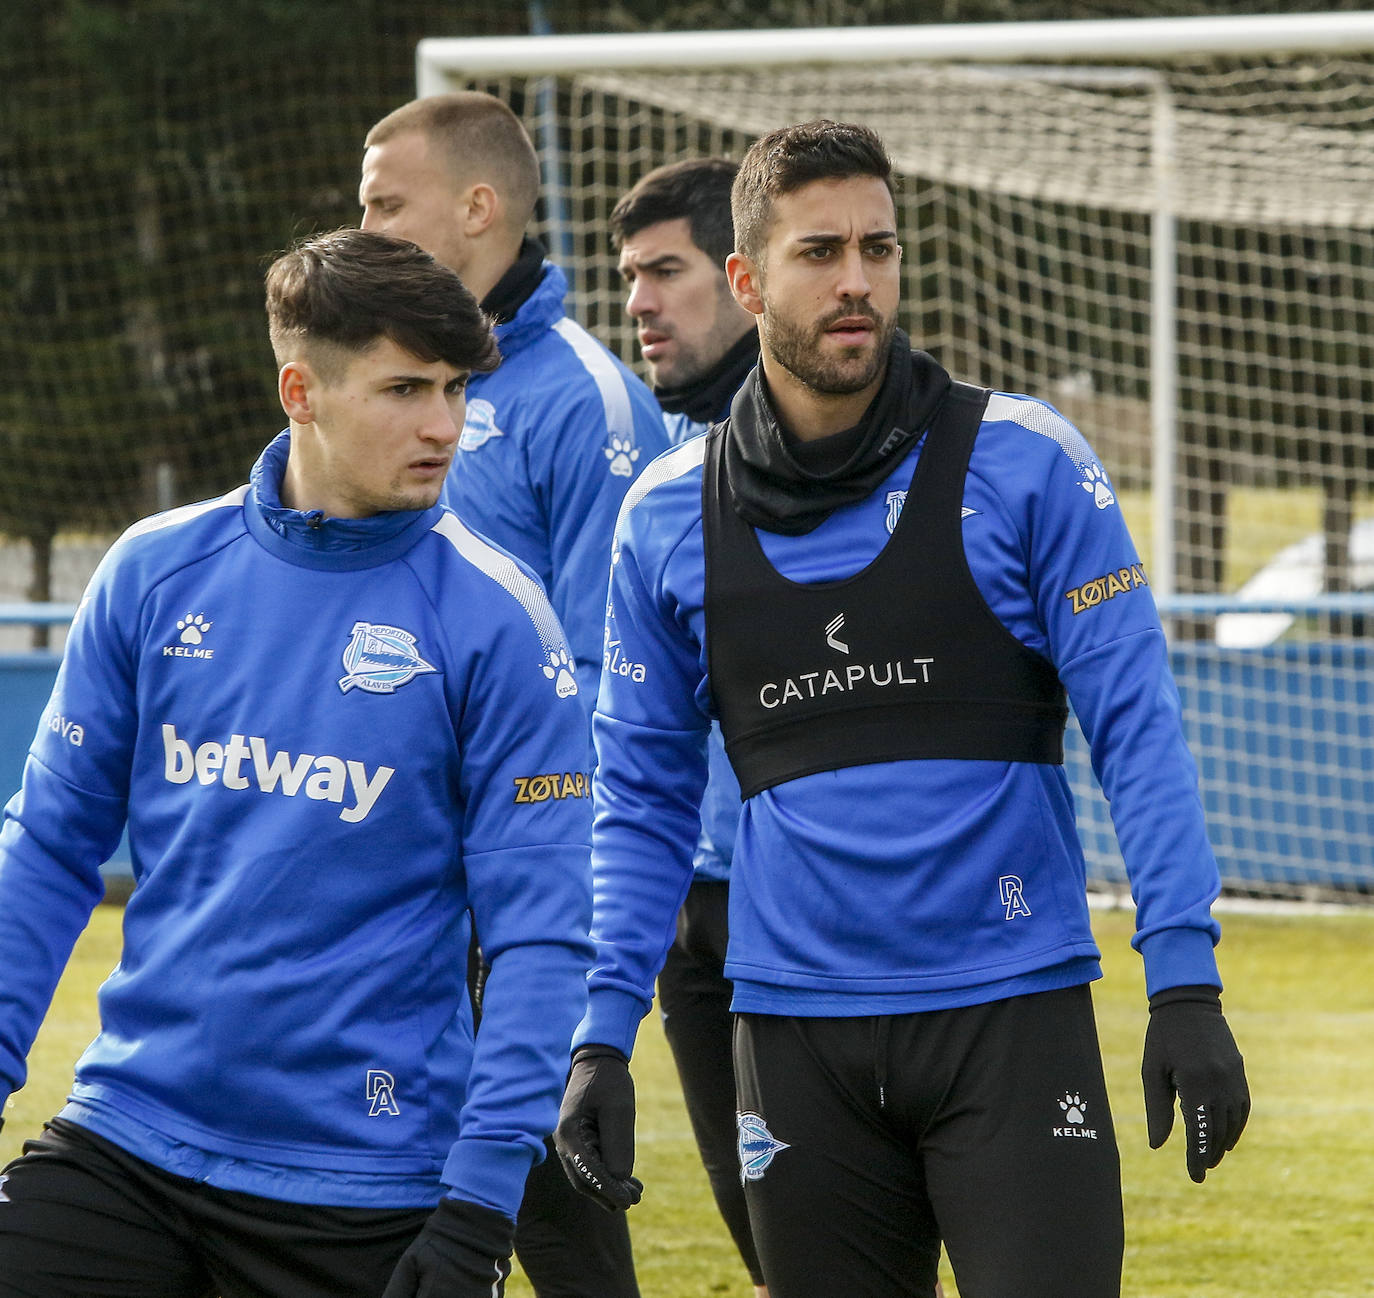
<point x="380" y="659"/>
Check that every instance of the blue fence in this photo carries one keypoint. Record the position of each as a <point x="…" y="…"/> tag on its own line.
<point x="26" y="680"/>
<point x="1284" y="741"/>
<point x="1283" y="736"/>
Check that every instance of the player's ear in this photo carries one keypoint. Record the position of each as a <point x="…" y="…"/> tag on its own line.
<point x="744" y="282"/>
<point x="478" y="208"/>
<point x="296" y="384"/>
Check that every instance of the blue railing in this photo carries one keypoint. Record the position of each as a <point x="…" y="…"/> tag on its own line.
<point x="1283" y="735"/>
<point x="36" y="614"/>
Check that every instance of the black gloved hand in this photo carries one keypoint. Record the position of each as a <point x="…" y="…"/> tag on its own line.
<point x="1190" y="1052"/>
<point x="462" y="1251"/>
<point x="595" y="1138"/>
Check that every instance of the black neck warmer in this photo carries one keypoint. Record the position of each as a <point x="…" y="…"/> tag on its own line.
<point x="513" y="289"/>
<point x="703" y="399"/>
<point x="777" y="489"/>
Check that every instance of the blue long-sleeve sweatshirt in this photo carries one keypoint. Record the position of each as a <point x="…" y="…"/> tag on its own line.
<point x="720" y="803"/>
<point x="552" y="440"/>
<point x="332" y="740"/>
<point x="914" y="885"/>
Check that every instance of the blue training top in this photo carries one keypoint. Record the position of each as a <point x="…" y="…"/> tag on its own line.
<point x="914" y="885"/>
<point x="552" y="440"/>
<point x="332" y="739"/>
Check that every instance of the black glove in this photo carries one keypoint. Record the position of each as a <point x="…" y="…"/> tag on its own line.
<point x="462" y="1251"/>
<point x="1190" y="1052"/>
<point x="596" y="1128"/>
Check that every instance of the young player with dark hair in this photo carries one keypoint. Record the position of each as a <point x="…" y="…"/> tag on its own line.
<point x="316" y="702"/>
<point x="868" y="573"/>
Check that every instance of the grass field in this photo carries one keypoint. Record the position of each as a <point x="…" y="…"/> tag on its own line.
<point x="1289" y="1212"/>
<point x="1260" y="523"/>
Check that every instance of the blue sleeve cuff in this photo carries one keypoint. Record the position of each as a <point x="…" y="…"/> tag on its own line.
<point x="1178" y="957"/>
<point x="489" y="1172"/>
<point x="613" y="1019"/>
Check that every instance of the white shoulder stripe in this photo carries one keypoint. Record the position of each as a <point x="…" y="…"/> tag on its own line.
<point x="1037" y="417"/>
<point x="672" y="464"/>
<point x="596" y="360"/>
<point x="503" y="570"/>
<point x="185" y="513"/>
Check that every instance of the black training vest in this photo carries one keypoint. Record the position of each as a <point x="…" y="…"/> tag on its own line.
<point x="903" y="660"/>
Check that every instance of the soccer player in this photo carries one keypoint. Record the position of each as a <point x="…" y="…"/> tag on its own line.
<point x="875" y="576"/>
<point x="673" y="233"/>
<point x="338" y="722"/>
<point x="551" y="442"/>
<point x="554" y="438"/>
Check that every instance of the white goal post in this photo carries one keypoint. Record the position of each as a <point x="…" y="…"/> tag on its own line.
<point x="444" y="62"/>
<point x="1163" y="226"/>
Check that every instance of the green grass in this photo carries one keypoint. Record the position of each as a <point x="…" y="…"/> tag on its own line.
<point x="1261" y="521"/>
<point x="1287" y="1212"/>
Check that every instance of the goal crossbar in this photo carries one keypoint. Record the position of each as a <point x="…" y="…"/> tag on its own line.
<point x="439" y="58"/>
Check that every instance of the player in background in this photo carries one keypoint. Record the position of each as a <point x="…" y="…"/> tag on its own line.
<point x="552" y="441"/>
<point x="672" y="232"/>
<point x="555" y="436"/>
<point x="316" y="701"/>
<point x="887" y="585"/>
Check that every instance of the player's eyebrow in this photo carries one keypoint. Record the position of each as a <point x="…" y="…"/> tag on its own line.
<point x="652" y="263"/>
<point x="370" y="191"/>
<point x="877" y="236"/>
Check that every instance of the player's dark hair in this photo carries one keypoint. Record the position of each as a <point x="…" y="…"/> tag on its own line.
<point x="697" y="190"/>
<point x="335" y="295"/>
<point x="786" y="159"/>
<point x="480" y="138"/>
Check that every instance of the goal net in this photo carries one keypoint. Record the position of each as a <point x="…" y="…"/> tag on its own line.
<point x="1176" y="251"/>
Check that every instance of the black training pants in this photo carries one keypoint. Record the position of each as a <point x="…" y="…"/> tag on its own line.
<point x="567" y="1245"/>
<point x="694" y="998"/>
<point x="84" y="1219"/>
<point x="866" y="1142"/>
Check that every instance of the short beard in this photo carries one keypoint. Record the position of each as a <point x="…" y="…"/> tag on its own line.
<point x="797" y="349"/>
<point x="681" y="372"/>
<point x="694" y="363"/>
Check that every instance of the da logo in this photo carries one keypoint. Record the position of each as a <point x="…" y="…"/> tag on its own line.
<point x="380" y="659"/>
<point x="757" y="1147"/>
<point x="1013" y="895"/>
<point x="381" y="1090"/>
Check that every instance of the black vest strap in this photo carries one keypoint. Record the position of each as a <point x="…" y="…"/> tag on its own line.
<point x="902" y="661"/>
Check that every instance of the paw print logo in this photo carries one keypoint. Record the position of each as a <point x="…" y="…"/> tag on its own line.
<point x="559" y="669"/>
<point x="1074" y="1106"/>
<point x="622" y="455"/>
<point x="193" y="628"/>
<point x="1095" y="482"/>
